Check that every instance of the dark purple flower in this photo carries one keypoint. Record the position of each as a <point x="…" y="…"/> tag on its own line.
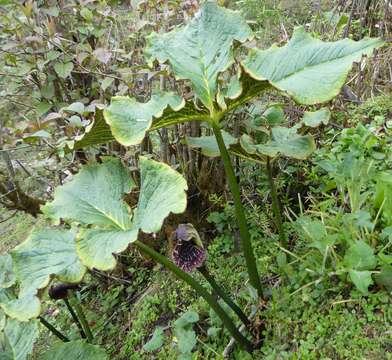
<point x="60" y="291"/>
<point x="188" y="251"/>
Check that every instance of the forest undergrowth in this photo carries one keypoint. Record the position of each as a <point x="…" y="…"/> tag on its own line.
<point x="195" y="180"/>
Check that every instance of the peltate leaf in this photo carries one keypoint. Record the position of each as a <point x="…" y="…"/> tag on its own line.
<point x="202" y="49"/>
<point x="94" y="196"/>
<point x="75" y="350"/>
<point x="208" y="144"/>
<point x="162" y="191"/>
<point x="308" y="69"/>
<point x="44" y="254"/>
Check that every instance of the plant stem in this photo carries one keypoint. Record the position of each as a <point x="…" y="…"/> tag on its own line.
<point x="83" y="320"/>
<point x="201" y="291"/>
<point x="75" y="318"/>
<point x="276" y="205"/>
<point x="220" y="292"/>
<point x="53" y="330"/>
<point x="246" y="243"/>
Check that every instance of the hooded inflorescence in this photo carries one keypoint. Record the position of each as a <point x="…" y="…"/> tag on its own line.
<point x="188" y="252"/>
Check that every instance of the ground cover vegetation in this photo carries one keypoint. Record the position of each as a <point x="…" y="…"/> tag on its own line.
<point x="195" y="180"/>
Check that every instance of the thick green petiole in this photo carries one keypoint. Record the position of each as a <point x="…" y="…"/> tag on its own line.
<point x="242" y="341"/>
<point x="276" y="208"/>
<point x="53" y="330"/>
<point x="246" y="243"/>
<point x="226" y="298"/>
<point x="83" y="320"/>
<point x="75" y="318"/>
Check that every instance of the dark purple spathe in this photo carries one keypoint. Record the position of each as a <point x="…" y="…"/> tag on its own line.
<point x="187" y="254"/>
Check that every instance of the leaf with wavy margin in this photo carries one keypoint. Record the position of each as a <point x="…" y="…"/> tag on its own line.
<point x="94" y="196"/>
<point x="202" y="49"/>
<point x="308" y="69"/>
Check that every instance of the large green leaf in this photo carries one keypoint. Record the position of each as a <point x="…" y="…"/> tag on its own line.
<point x="162" y="191"/>
<point x="97" y="246"/>
<point x="202" y="49"/>
<point x="283" y="141"/>
<point x="208" y="144"/>
<point x="21" y="337"/>
<point x="129" y="120"/>
<point x="46" y="253"/>
<point x="7" y="276"/>
<point x="308" y="69"/>
<point x="94" y="196"/>
<point x="75" y="350"/>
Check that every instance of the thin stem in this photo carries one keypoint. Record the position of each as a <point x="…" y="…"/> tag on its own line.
<point x="276" y="205"/>
<point x="83" y="320"/>
<point x="53" y="330"/>
<point x="220" y="292"/>
<point x="75" y="318"/>
<point x="201" y="291"/>
<point x="246" y="243"/>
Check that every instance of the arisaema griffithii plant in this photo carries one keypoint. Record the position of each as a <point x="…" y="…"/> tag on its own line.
<point x="306" y="69"/>
<point x="101" y="224"/>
